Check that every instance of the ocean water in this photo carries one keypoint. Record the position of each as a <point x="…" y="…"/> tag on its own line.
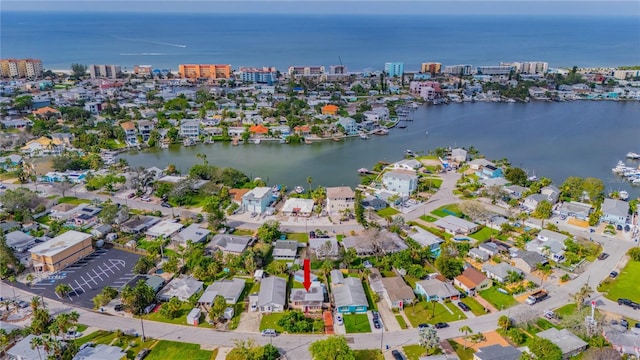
<point x="362" y="42"/>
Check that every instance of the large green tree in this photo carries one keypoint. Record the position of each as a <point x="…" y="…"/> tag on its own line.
<point x="138" y="297"/>
<point x="516" y="176"/>
<point x="269" y="231"/>
<point x="543" y="210"/>
<point x="332" y="348"/>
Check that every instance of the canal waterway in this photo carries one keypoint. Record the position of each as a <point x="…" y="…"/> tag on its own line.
<point x="556" y="140"/>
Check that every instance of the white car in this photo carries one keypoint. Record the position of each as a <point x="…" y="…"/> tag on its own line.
<point x="73" y="334"/>
<point x="145" y="198"/>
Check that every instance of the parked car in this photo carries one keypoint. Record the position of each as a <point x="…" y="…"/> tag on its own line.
<point x="613" y="274"/>
<point x="397" y="355"/>
<point x="624" y="323"/>
<point x="441" y="325"/>
<point x="118" y="307"/>
<point x="312" y="234"/>
<point x="375" y="314"/>
<point x="376" y="324"/>
<point x="131" y="195"/>
<point x="73" y="334"/>
<point x="424" y="326"/>
<point x="142" y="354"/>
<point x="145" y="198"/>
<point x="166" y="205"/>
<point x="603" y="256"/>
<point x="269" y="332"/>
<point x="23" y="304"/>
<point x="629" y="303"/>
<point x="463" y="306"/>
<point x="637" y="325"/>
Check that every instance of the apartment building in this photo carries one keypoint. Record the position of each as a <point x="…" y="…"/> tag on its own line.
<point x="204" y="71"/>
<point x="306" y="70"/>
<point x="142" y="69"/>
<point x="430" y="67"/>
<point x="463" y="70"/>
<point x="20" y="68"/>
<point x="528" y="67"/>
<point x="265" y="75"/>
<point x="104" y="71"/>
<point x="394" y="68"/>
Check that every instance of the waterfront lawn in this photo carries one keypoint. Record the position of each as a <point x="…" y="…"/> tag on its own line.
<point x="369" y="354"/>
<point x="169" y="350"/>
<point x="446" y="210"/>
<point x="484" y="234"/>
<point x="356" y="323"/>
<point x="428" y="218"/>
<point x="499" y="300"/>
<point x="388" y="211"/>
<point x="475" y="306"/>
<point x="625" y="285"/>
<point x="423" y="313"/>
<point x="401" y="322"/>
<point x="73" y="200"/>
<point x="270" y="321"/>
<point x="463" y="354"/>
<point x="299" y="237"/>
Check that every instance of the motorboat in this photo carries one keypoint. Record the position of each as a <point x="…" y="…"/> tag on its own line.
<point x="364" y="136"/>
<point x="632" y="155"/>
<point x="299" y="189"/>
<point x="623" y="195"/>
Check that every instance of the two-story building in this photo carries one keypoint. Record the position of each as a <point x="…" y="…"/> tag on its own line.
<point x="401" y="181"/>
<point x="339" y="199"/>
<point x="257" y="199"/>
<point x="130" y="133"/>
<point x="190" y="129"/>
<point x="615" y="212"/>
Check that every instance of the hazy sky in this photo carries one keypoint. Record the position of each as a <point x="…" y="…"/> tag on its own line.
<point x="504" y="7"/>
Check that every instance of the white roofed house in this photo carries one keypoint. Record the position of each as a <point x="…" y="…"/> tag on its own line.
<point x="257" y="199"/>
<point x="229" y="244"/>
<point x="182" y="288"/>
<point x="401" y="181"/>
<point x="190" y="129"/>
<point x="614" y="212"/>
<point x="230" y="290"/>
<point x="297" y="207"/>
<point x="407" y="164"/>
<point x="19" y="241"/>
<point x="285" y="250"/>
<point x="456" y="226"/>
<point x="459" y="155"/>
<point x="339" y="199"/>
<point x="165" y="228"/>
<point x="500" y="272"/>
<point x="549" y="244"/>
<point x="193" y="233"/>
<point x="272" y="295"/>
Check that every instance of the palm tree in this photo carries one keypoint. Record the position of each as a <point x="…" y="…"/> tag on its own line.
<point x="309" y="181"/>
<point x="504" y="322"/>
<point x="62" y="290"/>
<point x="466" y="330"/>
<point x="12" y="280"/>
<point x="581" y="295"/>
<point x="36" y="343"/>
<point x="35" y="303"/>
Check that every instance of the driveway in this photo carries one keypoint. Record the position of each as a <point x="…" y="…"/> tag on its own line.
<point x="388" y="318"/>
<point x="249" y="322"/>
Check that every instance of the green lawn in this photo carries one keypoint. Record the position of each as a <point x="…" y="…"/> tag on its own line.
<point x="107" y="337"/>
<point x="299" y="237"/>
<point x="401" y="322"/>
<point x="166" y="350"/>
<point x="356" y="323"/>
<point x="44" y="219"/>
<point x="475" y="306"/>
<point x="435" y="182"/>
<point x="370" y="354"/>
<point x="388" y="211"/>
<point x="625" y="285"/>
<point x="73" y="200"/>
<point x="566" y="310"/>
<point x="463" y="354"/>
<point x="446" y="210"/>
<point x="483" y="234"/>
<point x="243" y="232"/>
<point x="428" y="218"/>
<point x="181" y="319"/>
<point x="270" y="321"/>
<point x="414" y="352"/>
<point x="497" y="299"/>
<point x="424" y="313"/>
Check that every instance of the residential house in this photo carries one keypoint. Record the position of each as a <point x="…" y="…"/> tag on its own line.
<point x="528" y="261"/>
<point x="471" y="280"/>
<point x="340" y="199"/>
<point x="436" y="290"/>
<point x="42" y="146"/>
<point x="230" y="290"/>
<point x="297" y="207"/>
<point x="383" y="242"/>
<point x="490" y="248"/>
<point x="257" y="200"/>
<point x="490" y="172"/>
<point x="138" y="224"/>
<point x="10" y="161"/>
<point x="349" y="296"/>
<point x="74" y="177"/>
<point x="407" y="164"/>
<point x="426" y="239"/>
<point x="182" y="288"/>
<point x="374" y="204"/>
<point x="66" y="139"/>
<point x="46" y="112"/>
<point x="569" y="343"/>
<point x="456" y="226"/>
<point x="144" y="129"/>
<point x="478" y="164"/>
<point x="193" y="233"/>
<point x="272" y="295"/>
<point x="229" y="244"/>
<point x="349" y="125"/>
<point x="19" y="241"/>
<point x="548" y="193"/>
<point x="130" y="133"/>
<point x="514" y="191"/>
<point x="23" y="350"/>
<point x="330" y="109"/>
<point x="500" y="272"/>
<point x="478" y="255"/>
<point x="552" y="193"/>
<point x="575" y="209"/>
<point x="165" y="229"/>
<point x="615" y="212"/>
<point x="285" y="250"/>
<point x="19" y="124"/>
<point x="625" y="342"/>
<point x="497" y="352"/>
<point x="64" y="211"/>
<point x="401" y="181"/>
<point x="101" y="352"/>
<point x="550" y="244"/>
<point x="156" y="283"/>
<point x="190" y="129"/>
<point x="459" y="155"/>
<point x="308" y="301"/>
<point x="396" y="292"/>
<point x="324" y="248"/>
<point x="99" y="232"/>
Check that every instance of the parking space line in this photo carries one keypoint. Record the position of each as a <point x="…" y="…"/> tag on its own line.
<point x="86" y="282"/>
<point x="80" y="286"/>
<point x="74" y="290"/>
<point x="100" y="277"/>
<point x="103" y="271"/>
<point x="109" y="268"/>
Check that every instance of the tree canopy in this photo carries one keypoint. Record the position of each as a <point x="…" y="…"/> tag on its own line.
<point x="332" y="348"/>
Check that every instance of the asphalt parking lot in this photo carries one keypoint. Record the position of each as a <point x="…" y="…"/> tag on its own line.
<point x="87" y="277"/>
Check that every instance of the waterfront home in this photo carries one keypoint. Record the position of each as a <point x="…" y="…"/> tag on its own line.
<point x="229" y="244"/>
<point x="130" y="133"/>
<point x="500" y="272"/>
<point x="349" y="296"/>
<point x="472" y="280"/>
<point x="528" y="261"/>
<point x="165" y="229"/>
<point x="426" y="239"/>
<point x="193" y="233"/>
<point x="490" y="172"/>
<point x="324" y="248"/>
<point x="550" y="244"/>
<point x="237" y="194"/>
<point x="272" y="295"/>
<point x="575" y="209"/>
<point x="339" y="199"/>
<point x="285" y="250"/>
<point x="407" y="164"/>
<point x="456" y="226"/>
<point x="396" y="292"/>
<point x="230" y="290"/>
<point x="497" y="352"/>
<point x="401" y="181"/>
<point x="144" y="129"/>
<point x="514" y="191"/>
<point x="374" y="204"/>
<point x="459" y="155"/>
<point x="547" y="193"/>
<point x="308" y="301"/>
<point x="478" y="164"/>
<point x="257" y="199"/>
<point x="182" y="288"/>
<point x="615" y="212"/>
<point x="190" y="129"/>
<point x="42" y="146"/>
<point x="297" y="207"/>
<point x="569" y="344"/>
<point x="349" y="125"/>
<point x="436" y="290"/>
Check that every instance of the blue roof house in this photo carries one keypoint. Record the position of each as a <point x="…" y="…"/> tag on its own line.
<point x="490" y="172"/>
